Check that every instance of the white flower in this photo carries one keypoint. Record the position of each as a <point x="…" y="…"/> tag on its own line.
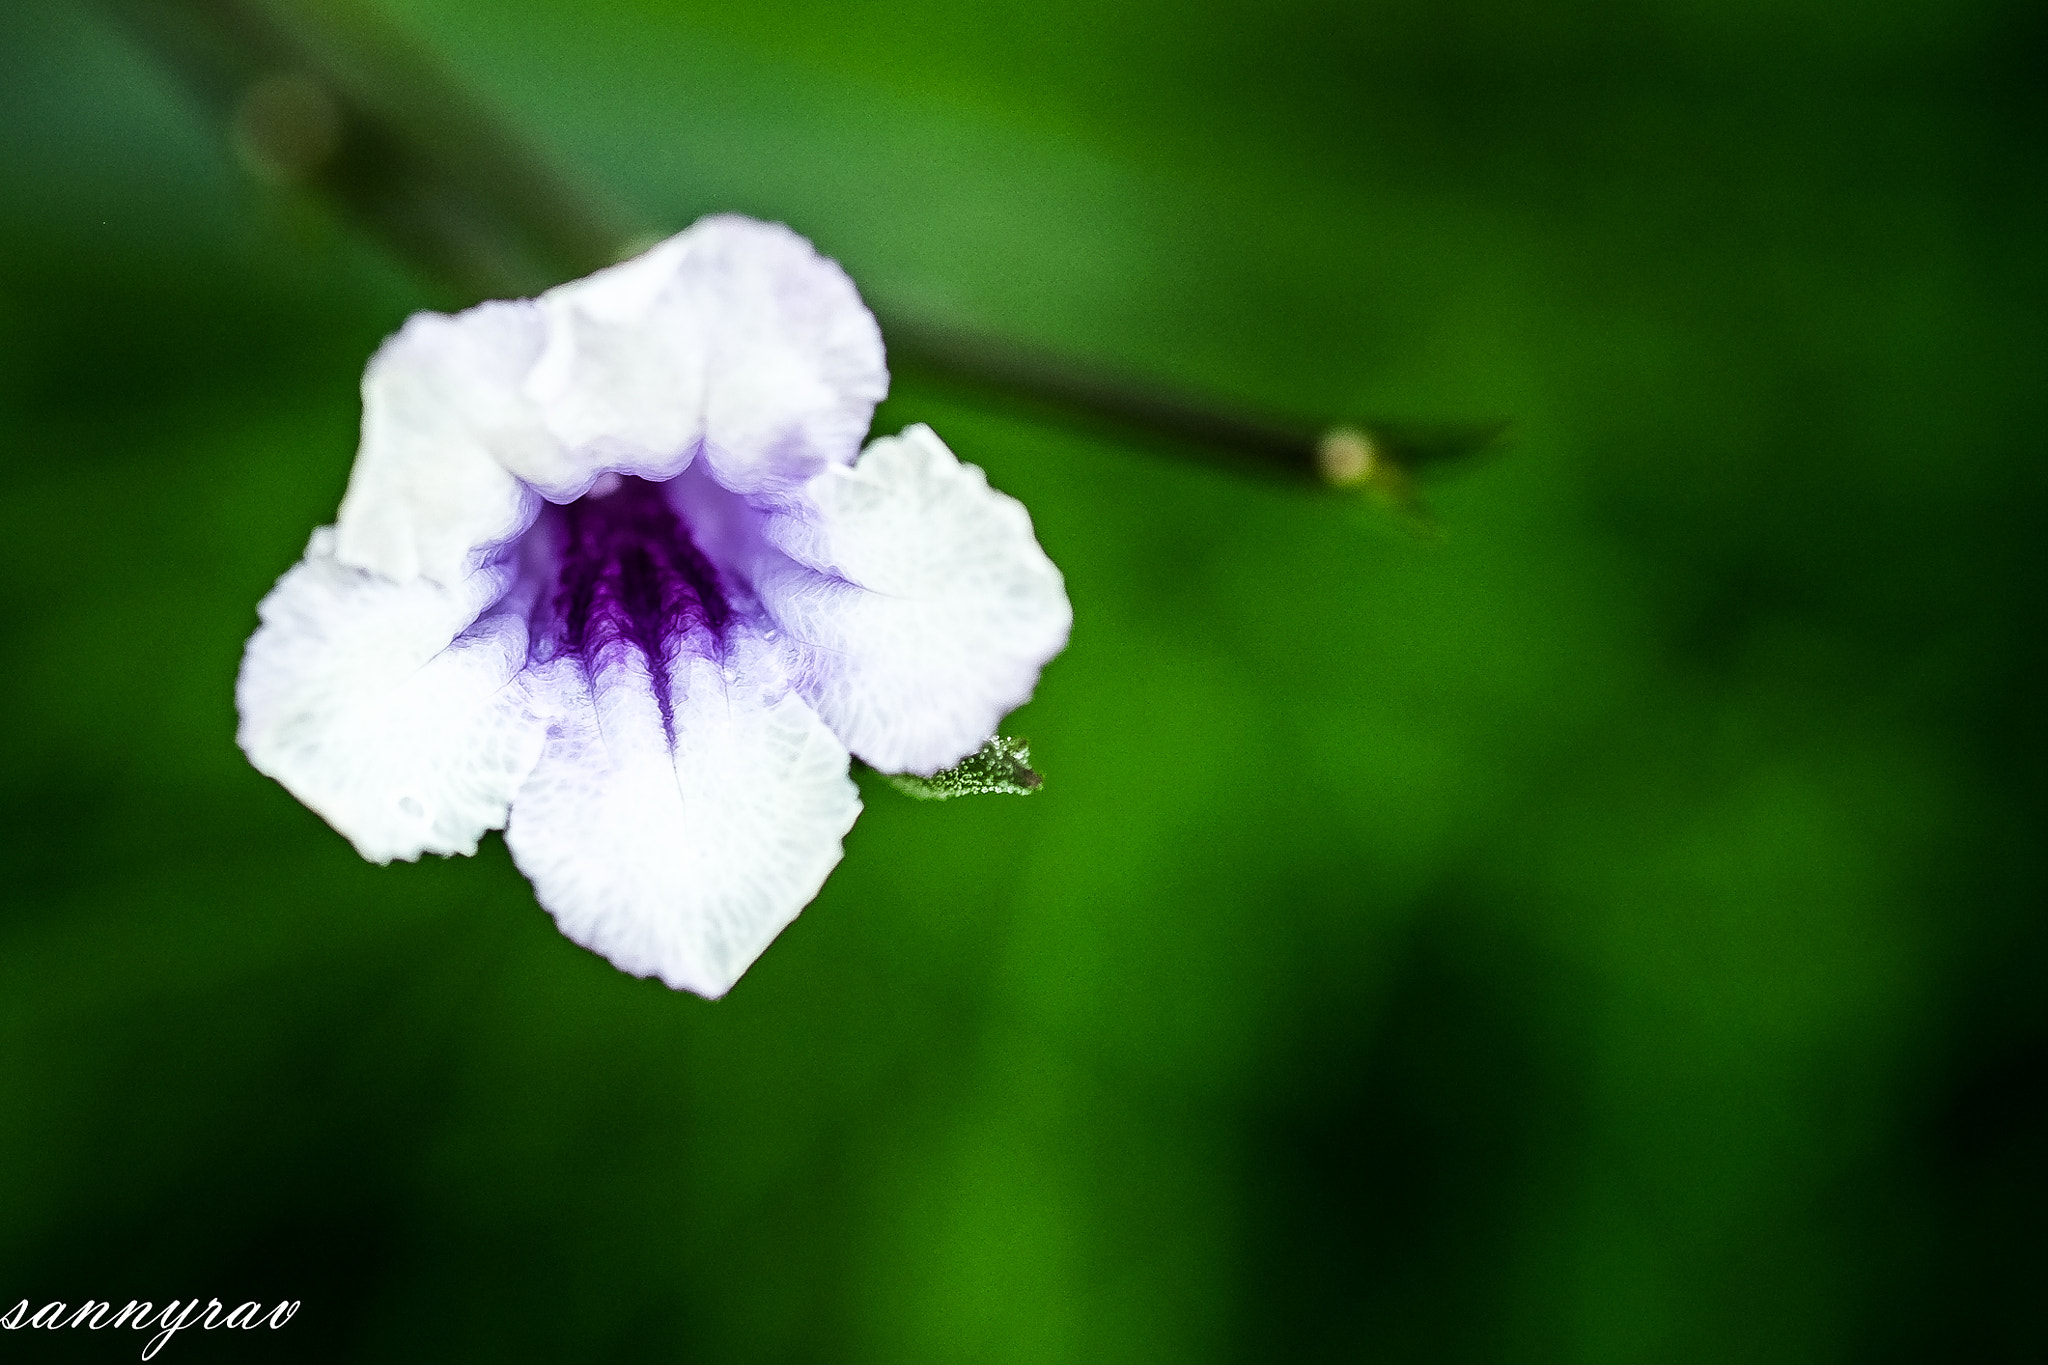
<point x="608" y="576"/>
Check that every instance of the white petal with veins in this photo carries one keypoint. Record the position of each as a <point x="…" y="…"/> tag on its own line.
<point x="682" y="863"/>
<point x="919" y="606"/>
<point x="389" y="708"/>
<point x="443" y="424"/>
<point x="734" y="337"/>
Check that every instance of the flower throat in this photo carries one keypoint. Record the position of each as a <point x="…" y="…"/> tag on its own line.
<point x="632" y="580"/>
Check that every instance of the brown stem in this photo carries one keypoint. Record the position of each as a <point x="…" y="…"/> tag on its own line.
<point x="329" y="96"/>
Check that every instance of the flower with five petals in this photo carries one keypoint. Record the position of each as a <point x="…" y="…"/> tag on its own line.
<point x="613" y="574"/>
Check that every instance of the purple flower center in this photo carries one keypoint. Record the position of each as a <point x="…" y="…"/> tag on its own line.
<point x="633" y="580"/>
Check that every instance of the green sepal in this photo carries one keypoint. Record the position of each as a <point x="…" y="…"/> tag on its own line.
<point x="1002" y="766"/>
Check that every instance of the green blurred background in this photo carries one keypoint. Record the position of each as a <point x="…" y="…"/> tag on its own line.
<point x="1610" y="933"/>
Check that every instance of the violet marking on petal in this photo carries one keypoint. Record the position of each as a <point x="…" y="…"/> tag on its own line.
<point x="632" y="579"/>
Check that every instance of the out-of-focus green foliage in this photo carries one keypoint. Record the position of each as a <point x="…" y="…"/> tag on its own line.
<point x="1610" y="933"/>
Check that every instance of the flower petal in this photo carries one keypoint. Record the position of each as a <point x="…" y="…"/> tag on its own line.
<point x="734" y="336"/>
<point x="444" y="423"/>
<point x="919" y="606"/>
<point x="389" y="708"/>
<point x="682" y="862"/>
